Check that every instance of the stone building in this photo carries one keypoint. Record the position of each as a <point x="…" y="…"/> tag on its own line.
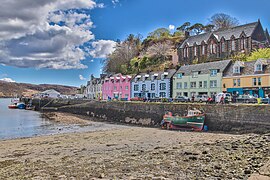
<point x="153" y="84"/>
<point x="222" y="44"/>
<point x="199" y="79"/>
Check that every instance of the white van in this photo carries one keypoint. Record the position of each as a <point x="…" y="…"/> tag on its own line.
<point x="224" y="95"/>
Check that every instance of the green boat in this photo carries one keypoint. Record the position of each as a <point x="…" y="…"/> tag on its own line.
<point x="194" y="120"/>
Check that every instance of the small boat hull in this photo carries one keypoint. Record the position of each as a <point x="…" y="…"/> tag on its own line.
<point x="193" y="123"/>
<point x="12" y="106"/>
<point x="21" y="106"/>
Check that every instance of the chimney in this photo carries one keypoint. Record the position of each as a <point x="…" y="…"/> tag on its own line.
<point x="187" y="34"/>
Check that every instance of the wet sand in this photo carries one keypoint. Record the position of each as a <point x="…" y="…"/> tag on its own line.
<point x="135" y="153"/>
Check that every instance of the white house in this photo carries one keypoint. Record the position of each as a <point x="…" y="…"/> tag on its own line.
<point x="51" y="93"/>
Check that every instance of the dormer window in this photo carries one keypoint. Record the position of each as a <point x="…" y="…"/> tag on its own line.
<point x="195" y="50"/>
<point x="162" y="77"/>
<point x="236" y="69"/>
<point x="195" y="74"/>
<point x="213" y="72"/>
<point x="258" y="67"/>
<point x="179" y="76"/>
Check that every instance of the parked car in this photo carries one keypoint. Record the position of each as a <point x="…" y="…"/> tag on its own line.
<point x="227" y="97"/>
<point x="264" y="100"/>
<point x="246" y="99"/>
<point x="201" y="98"/>
<point x="181" y="99"/>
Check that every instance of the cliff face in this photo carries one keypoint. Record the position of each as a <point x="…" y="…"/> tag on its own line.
<point x="8" y="89"/>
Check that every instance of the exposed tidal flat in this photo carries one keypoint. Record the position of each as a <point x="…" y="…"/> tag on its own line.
<point x="125" y="152"/>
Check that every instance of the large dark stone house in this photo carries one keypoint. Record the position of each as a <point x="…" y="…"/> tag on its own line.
<point x="222" y="44"/>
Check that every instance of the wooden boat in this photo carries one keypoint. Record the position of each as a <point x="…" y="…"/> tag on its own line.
<point x="12" y="106"/>
<point x="194" y="120"/>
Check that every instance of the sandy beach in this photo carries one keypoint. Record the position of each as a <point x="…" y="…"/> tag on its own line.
<point x="135" y="153"/>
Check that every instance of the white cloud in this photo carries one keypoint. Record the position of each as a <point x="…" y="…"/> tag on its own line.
<point x="7" y="80"/>
<point x="45" y="34"/>
<point x="115" y="2"/>
<point x="81" y="77"/>
<point x="92" y="60"/>
<point x="171" y="27"/>
<point x="102" y="48"/>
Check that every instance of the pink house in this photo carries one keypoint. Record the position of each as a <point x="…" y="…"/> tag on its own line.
<point x="117" y="87"/>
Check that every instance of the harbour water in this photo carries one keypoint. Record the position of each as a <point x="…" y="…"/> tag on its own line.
<point x="16" y="123"/>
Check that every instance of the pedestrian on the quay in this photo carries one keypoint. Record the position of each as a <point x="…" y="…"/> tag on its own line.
<point x="269" y="98"/>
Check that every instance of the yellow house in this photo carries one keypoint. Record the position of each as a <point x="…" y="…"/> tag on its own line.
<point x="251" y="77"/>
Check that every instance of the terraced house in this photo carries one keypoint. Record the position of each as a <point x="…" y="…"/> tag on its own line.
<point x="251" y="77"/>
<point x="94" y="88"/>
<point x="223" y="44"/>
<point x="153" y="84"/>
<point x="116" y="87"/>
<point x="199" y="79"/>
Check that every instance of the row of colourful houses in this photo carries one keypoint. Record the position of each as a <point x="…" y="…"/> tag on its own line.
<point x="238" y="77"/>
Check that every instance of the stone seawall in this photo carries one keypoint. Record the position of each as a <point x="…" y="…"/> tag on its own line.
<point x="225" y="118"/>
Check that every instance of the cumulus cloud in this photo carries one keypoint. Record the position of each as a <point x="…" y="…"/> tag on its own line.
<point x="7" y="80"/>
<point x="45" y="34"/>
<point x="115" y="2"/>
<point x="102" y="48"/>
<point x="171" y="27"/>
<point x="81" y="77"/>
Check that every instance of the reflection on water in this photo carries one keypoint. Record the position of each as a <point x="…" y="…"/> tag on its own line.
<point x="15" y="123"/>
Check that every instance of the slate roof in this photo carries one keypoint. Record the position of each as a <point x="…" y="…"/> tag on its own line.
<point x="170" y="72"/>
<point x="227" y="34"/>
<point x="50" y="91"/>
<point x="248" y="68"/>
<point x="204" y="68"/>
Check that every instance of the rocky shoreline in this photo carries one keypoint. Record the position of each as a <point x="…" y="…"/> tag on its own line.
<point x="136" y="153"/>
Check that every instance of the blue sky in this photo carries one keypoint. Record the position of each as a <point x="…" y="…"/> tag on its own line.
<point x="116" y="20"/>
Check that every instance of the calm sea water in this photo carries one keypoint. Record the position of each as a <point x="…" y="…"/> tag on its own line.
<point x="15" y="123"/>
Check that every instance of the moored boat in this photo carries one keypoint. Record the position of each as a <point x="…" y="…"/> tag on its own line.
<point x="12" y="106"/>
<point x="194" y="120"/>
<point x="21" y="106"/>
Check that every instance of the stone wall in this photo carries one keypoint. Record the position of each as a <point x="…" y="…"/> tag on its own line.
<point x="225" y="118"/>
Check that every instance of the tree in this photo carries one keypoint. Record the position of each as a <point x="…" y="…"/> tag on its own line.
<point x="160" y="32"/>
<point x="223" y="21"/>
<point x="208" y="27"/>
<point x="160" y="50"/>
<point x="183" y="27"/>
<point x="259" y="54"/>
<point x="196" y="28"/>
<point x="119" y="60"/>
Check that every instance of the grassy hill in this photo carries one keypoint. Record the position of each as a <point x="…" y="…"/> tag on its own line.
<point x="8" y="89"/>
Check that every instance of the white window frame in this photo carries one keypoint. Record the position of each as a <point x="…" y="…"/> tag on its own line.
<point x="213" y="72"/>
<point x="213" y="83"/>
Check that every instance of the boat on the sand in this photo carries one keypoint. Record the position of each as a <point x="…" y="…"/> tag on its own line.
<point x="194" y="121"/>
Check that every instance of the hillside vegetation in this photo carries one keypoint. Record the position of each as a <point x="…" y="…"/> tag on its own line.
<point x="8" y="89"/>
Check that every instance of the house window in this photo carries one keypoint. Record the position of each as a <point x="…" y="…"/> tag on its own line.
<point x="162" y="86"/>
<point x="120" y="88"/>
<point x="153" y="86"/>
<point x="185" y="85"/>
<point x="213" y="72"/>
<point x="192" y="84"/>
<point x="126" y="87"/>
<point x="179" y="85"/>
<point x="205" y="84"/>
<point x="213" y="48"/>
<point x="136" y="87"/>
<point x="179" y="94"/>
<point x="233" y="45"/>
<point x="259" y="81"/>
<point x="242" y="43"/>
<point x="179" y="76"/>
<point x="162" y="94"/>
<point x="186" y="52"/>
<point x="254" y="81"/>
<point x="115" y="88"/>
<point x="222" y="46"/>
<point x="236" y="69"/>
<point x="213" y="84"/>
<point x="234" y="82"/>
<point x="203" y="50"/>
<point x="258" y="67"/>
<point x="144" y="87"/>
<point x="195" y="50"/>
<point x="195" y="74"/>
<point x="238" y="82"/>
<point x="126" y="95"/>
<point x="200" y="84"/>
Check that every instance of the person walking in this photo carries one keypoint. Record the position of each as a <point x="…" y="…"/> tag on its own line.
<point x="269" y="98"/>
